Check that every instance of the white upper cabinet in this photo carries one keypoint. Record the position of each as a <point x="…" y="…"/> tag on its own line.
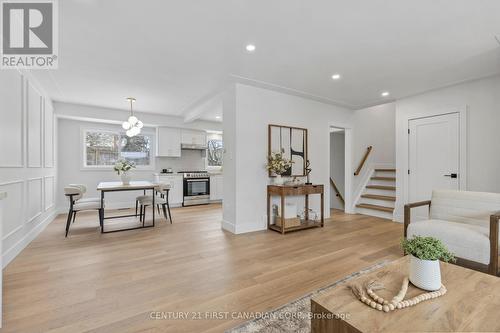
<point x="193" y="137"/>
<point x="169" y="142"/>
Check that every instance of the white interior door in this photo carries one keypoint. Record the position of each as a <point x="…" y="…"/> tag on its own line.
<point x="434" y="156"/>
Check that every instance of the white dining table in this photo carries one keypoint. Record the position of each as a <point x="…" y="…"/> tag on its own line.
<point x="141" y="185"/>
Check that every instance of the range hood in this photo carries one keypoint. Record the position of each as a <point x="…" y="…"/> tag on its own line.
<point x="193" y="146"/>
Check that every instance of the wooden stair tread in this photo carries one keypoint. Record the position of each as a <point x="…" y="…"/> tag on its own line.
<point x="382" y="187"/>
<point x="378" y="197"/>
<point x="384" y="178"/>
<point x="385" y="170"/>
<point x="376" y="207"/>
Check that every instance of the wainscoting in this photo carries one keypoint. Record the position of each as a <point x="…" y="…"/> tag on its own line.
<point x="27" y="160"/>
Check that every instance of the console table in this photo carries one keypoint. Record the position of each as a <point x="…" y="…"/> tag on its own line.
<point x="294" y="190"/>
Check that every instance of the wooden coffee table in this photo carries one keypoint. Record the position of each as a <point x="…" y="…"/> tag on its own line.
<point x="472" y="303"/>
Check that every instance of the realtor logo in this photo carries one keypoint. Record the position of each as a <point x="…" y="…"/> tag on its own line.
<point x="29" y="34"/>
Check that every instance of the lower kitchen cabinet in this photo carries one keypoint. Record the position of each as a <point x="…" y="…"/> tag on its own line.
<point x="176" y="194"/>
<point x="216" y="187"/>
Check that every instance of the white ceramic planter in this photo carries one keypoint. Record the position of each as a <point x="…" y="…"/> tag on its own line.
<point x="125" y="178"/>
<point x="425" y="274"/>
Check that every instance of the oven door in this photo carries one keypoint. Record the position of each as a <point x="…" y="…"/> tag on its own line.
<point x="196" y="187"/>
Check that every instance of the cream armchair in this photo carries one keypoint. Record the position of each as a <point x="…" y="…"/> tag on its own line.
<point x="466" y="222"/>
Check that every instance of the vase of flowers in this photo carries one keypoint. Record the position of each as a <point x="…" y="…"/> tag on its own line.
<point x="425" y="253"/>
<point x="122" y="168"/>
<point x="278" y="164"/>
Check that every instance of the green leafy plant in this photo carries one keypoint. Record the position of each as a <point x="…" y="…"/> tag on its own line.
<point x="277" y="163"/>
<point x="427" y="248"/>
<point x="123" y="165"/>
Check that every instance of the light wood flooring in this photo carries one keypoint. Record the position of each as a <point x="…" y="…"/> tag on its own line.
<point x="91" y="282"/>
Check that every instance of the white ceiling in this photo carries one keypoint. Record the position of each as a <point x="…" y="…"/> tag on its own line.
<point x="171" y="55"/>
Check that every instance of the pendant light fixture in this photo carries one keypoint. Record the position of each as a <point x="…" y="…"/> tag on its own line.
<point x="132" y="125"/>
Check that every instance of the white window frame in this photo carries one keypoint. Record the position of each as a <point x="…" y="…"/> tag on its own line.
<point x="210" y="167"/>
<point x="115" y="130"/>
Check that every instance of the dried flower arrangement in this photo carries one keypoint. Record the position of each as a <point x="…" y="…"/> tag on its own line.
<point x="277" y="163"/>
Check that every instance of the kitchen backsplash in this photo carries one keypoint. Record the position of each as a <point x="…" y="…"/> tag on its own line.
<point x="190" y="160"/>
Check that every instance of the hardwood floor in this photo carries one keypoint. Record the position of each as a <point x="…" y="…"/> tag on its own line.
<point x="116" y="282"/>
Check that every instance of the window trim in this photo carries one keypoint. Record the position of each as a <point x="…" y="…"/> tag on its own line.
<point x="83" y="152"/>
<point x="211" y="167"/>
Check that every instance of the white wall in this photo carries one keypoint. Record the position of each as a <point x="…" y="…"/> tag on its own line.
<point x="482" y="100"/>
<point x="27" y="160"/>
<point x="337" y="167"/>
<point x="247" y="113"/>
<point x="73" y="118"/>
<point x="373" y="126"/>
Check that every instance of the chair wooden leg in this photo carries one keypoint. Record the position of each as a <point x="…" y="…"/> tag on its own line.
<point x="68" y="222"/>
<point x="169" y="214"/>
<point x="136" y="206"/>
<point x="144" y="214"/>
<point x="164" y="211"/>
<point x="140" y="213"/>
<point x="74" y="217"/>
<point x="101" y="218"/>
<point x="158" y="209"/>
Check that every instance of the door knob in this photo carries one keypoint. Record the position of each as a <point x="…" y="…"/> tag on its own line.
<point x="452" y="175"/>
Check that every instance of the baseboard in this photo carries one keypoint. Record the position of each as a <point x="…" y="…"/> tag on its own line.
<point x="241" y="228"/>
<point x="12" y="252"/>
<point x="228" y="226"/>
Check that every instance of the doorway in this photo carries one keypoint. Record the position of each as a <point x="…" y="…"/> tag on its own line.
<point x="434" y="152"/>
<point x="337" y="168"/>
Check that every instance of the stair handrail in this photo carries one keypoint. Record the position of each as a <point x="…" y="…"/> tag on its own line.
<point x="363" y="160"/>
<point x="337" y="191"/>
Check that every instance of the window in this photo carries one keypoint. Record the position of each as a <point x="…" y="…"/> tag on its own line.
<point x="104" y="148"/>
<point x="215" y="152"/>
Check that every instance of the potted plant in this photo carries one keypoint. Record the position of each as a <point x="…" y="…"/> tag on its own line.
<point x="425" y="253"/>
<point x="278" y="164"/>
<point x="122" y="167"/>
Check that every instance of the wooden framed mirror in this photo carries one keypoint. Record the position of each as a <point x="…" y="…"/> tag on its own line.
<point x="293" y="142"/>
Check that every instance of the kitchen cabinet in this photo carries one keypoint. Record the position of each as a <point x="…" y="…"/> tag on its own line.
<point x="216" y="187"/>
<point x="168" y="142"/>
<point x="176" y="194"/>
<point x="193" y="137"/>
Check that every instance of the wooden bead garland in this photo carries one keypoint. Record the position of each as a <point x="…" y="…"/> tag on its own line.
<point x="376" y="302"/>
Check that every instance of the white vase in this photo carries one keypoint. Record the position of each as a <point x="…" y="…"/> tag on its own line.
<point x="125" y="178"/>
<point x="425" y="274"/>
<point x="278" y="180"/>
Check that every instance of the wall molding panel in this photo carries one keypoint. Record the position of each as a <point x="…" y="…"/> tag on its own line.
<point x="28" y="161"/>
<point x="34" y="131"/>
<point x="12" y="112"/>
<point x="35" y="198"/>
<point x="49" y="196"/>
<point x="13" y="216"/>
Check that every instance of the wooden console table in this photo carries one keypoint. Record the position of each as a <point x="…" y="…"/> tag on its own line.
<point x="294" y="190"/>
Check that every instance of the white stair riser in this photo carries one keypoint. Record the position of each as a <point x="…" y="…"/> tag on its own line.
<point x="380" y="192"/>
<point x="377" y="202"/>
<point x="382" y="182"/>
<point x="372" y="212"/>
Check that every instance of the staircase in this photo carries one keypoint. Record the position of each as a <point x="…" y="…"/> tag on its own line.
<point x="379" y="195"/>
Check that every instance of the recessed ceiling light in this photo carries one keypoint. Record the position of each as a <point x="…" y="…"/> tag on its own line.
<point x="335" y="76"/>
<point x="217" y="117"/>
<point x="250" y="48"/>
<point x="385" y="94"/>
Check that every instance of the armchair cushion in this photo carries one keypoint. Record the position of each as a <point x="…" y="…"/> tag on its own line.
<point x="473" y="208"/>
<point x="467" y="241"/>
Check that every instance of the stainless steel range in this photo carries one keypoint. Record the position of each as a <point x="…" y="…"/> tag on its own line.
<point x="196" y="188"/>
